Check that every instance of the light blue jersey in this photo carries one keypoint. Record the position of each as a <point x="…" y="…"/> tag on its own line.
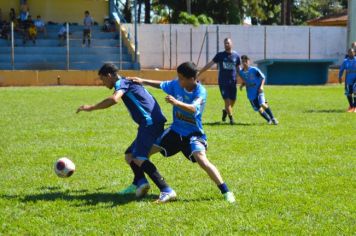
<point x="253" y="78"/>
<point x="185" y="123"/>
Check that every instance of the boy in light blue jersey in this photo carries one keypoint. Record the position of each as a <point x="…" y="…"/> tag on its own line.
<point x="186" y="133"/>
<point x="349" y="65"/>
<point x="146" y="112"/>
<point x="254" y="81"/>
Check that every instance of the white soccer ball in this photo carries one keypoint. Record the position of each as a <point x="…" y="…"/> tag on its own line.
<point x="64" y="167"/>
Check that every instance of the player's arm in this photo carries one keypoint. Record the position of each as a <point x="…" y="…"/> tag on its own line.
<point x="152" y="83"/>
<point x="191" y="108"/>
<point x="106" y="103"/>
<point x="205" y="68"/>
<point x="243" y="83"/>
<point x="341" y="72"/>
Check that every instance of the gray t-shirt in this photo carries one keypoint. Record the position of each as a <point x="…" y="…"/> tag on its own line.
<point x="88" y="21"/>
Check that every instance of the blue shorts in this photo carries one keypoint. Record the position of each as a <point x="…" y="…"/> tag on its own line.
<point x="171" y="143"/>
<point x="146" y="137"/>
<point x="258" y="101"/>
<point x="228" y="91"/>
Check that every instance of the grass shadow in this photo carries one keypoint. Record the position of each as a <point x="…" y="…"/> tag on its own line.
<point x="220" y="123"/>
<point x="325" y="111"/>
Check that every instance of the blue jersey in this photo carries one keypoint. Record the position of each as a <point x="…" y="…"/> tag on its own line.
<point x="142" y="106"/>
<point x="228" y="66"/>
<point x="350" y="66"/>
<point x="253" y="79"/>
<point x="186" y="123"/>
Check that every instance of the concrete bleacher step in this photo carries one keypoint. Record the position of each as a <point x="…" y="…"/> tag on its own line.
<point x="62" y="66"/>
<point x="63" y="57"/>
<point x="63" y="50"/>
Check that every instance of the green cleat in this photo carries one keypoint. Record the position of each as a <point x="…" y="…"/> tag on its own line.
<point x="229" y="196"/>
<point x="129" y="190"/>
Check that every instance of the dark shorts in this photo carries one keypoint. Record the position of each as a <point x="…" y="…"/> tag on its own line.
<point x="350" y="89"/>
<point x="228" y="91"/>
<point x="86" y="33"/>
<point x="171" y="143"/>
<point x="258" y="101"/>
<point x="146" y="137"/>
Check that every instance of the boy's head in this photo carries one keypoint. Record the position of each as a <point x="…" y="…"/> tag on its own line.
<point x="353" y="45"/>
<point x="38" y="17"/>
<point x="187" y="74"/>
<point x="108" y="74"/>
<point x="245" y="61"/>
<point x="86" y="13"/>
<point x="351" y="53"/>
<point x="227" y="44"/>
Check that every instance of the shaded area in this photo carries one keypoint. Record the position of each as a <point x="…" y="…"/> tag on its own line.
<point x="326" y="111"/>
<point x="219" y="123"/>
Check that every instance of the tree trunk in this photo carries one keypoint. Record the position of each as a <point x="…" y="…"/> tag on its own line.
<point x="127" y="11"/>
<point x="148" y="11"/>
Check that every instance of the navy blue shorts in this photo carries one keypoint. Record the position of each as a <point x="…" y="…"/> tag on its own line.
<point x="171" y="143"/>
<point x="350" y="89"/>
<point x="146" y="137"/>
<point x="258" y="101"/>
<point x="228" y="91"/>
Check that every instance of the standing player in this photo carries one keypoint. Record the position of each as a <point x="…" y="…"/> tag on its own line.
<point x="254" y="80"/>
<point x="88" y="22"/>
<point x="228" y="63"/>
<point x="349" y="65"/>
<point x="146" y="112"/>
<point x="186" y="134"/>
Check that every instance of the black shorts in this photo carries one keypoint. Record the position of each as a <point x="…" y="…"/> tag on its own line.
<point x="87" y="33"/>
<point x="171" y="143"/>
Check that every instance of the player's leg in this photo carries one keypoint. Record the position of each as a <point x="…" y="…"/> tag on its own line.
<point x="223" y="95"/>
<point x="84" y="36"/>
<point x="198" y="149"/>
<point x="89" y="37"/>
<point x="348" y="93"/>
<point x="230" y="101"/>
<point x="354" y="95"/>
<point x="256" y="107"/>
<point x="146" y="137"/>
<point x="263" y="103"/>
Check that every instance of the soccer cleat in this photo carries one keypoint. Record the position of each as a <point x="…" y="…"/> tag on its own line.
<point x="275" y="121"/>
<point x="142" y="190"/>
<point x="224" y="115"/>
<point x="232" y="122"/>
<point x="166" y="197"/>
<point x="270" y="122"/>
<point x="129" y="190"/>
<point x="229" y="196"/>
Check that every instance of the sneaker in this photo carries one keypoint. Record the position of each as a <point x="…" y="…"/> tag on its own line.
<point x="275" y="121"/>
<point x="350" y="109"/>
<point x="166" y="197"/>
<point x="229" y="196"/>
<point x="142" y="190"/>
<point x="232" y="122"/>
<point x="129" y="190"/>
<point x="270" y="122"/>
<point x="224" y="115"/>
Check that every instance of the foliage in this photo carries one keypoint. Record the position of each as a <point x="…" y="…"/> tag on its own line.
<point x="297" y="178"/>
<point x="185" y="18"/>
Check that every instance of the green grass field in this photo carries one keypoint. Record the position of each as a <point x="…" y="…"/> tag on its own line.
<point x="295" y="178"/>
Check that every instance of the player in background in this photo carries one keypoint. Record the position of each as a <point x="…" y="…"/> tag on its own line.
<point x="349" y="65"/>
<point x="186" y="134"/>
<point x="228" y="63"/>
<point x="147" y="113"/>
<point x="254" y="81"/>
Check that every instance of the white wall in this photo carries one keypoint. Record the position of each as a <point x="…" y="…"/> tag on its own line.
<point x="160" y="49"/>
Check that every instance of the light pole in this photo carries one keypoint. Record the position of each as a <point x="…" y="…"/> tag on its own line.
<point x="351" y="23"/>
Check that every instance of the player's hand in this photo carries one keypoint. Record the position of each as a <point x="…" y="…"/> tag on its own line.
<point x="260" y="90"/>
<point x="135" y="79"/>
<point x="170" y="99"/>
<point x="84" y="108"/>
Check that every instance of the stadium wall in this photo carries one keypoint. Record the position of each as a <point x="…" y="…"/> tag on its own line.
<point x="90" y="78"/>
<point x="166" y="46"/>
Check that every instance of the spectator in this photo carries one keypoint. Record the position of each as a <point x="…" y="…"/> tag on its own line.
<point x="25" y="28"/>
<point x="62" y="34"/>
<point x="32" y="33"/>
<point x="108" y="26"/>
<point x="88" y="22"/>
<point x="40" y="26"/>
<point x="5" y="30"/>
<point x="12" y="15"/>
<point x="0" y="15"/>
<point x="24" y="13"/>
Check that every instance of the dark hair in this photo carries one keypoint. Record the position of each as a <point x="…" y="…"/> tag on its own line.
<point x="244" y="57"/>
<point x="108" y="68"/>
<point x="227" y="39"/>
<point x="86" y="12"/>
<point x="188" y="69"/>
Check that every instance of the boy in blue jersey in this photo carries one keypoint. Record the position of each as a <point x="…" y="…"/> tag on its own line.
<point x="228" y="63"/>
<point x="254" y="81"/>
<point x="186" y="134"/>
<point x="349" y="65"/>
<point x="146" y="112"/>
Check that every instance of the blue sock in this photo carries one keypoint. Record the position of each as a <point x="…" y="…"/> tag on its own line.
<point x="269" y="112"/>
<point x="265" y="116"/>
<point x="166" y="190"/>
<point x="223" y="188"/>
<point x="141" y="181"/>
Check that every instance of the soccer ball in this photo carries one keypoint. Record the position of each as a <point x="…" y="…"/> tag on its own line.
<point x="64" y="167"/>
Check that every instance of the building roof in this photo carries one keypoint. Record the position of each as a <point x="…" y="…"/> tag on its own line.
<point x="339" y="19"/>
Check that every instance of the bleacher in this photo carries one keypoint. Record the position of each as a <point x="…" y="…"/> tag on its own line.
<point x="46" y="54"/>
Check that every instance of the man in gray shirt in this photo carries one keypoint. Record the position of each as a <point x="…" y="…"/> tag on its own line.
<point x="88" y="22"/>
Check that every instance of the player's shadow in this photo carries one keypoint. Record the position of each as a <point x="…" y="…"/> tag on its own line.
<point x="220" y="123"/>
<point x="81" y="198"/>
<point x="325" y="111"/>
